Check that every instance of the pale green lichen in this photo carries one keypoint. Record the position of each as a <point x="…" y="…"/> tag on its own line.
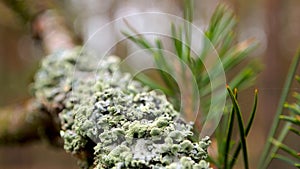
<point x="115" y="121"/>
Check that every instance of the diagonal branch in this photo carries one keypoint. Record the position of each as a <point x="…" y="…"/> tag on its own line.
<point x="30" y="121"/>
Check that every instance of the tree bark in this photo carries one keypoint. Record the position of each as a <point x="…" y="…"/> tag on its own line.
<point x="27" y="122"/>
<point x="30" y="121"/>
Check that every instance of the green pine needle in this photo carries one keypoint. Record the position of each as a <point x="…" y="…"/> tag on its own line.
<point x="220" y="36"/>
<point x="241" y="127"/>
<point x="268" y="149"/>
<point x="247" y="130"/>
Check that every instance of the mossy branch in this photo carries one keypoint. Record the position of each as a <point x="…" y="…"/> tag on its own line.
<point x="127" y="125"/>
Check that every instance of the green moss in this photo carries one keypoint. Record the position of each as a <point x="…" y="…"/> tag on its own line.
<point x="126" y="125"/>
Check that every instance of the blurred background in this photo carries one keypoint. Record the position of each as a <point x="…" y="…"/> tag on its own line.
<point x="274" y="23"/>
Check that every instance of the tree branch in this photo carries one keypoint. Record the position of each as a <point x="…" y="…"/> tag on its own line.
<point x="108" y="122"/>
<point x="27" y="122"/>
<point x="50" y="29"/>
<point x="30" y="121"/>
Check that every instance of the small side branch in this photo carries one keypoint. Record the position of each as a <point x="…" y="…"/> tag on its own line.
<point x="27" y="122"/>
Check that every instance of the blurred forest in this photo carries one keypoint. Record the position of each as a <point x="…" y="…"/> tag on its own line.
<point x="274" y="23"/>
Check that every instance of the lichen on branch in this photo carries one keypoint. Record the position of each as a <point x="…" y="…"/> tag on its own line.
<point x="109" y="120"/>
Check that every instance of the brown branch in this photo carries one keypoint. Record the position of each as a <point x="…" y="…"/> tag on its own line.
<point x="46" y="25"/>
<point x="50" y="29"/>
<point x="27" y="122"/>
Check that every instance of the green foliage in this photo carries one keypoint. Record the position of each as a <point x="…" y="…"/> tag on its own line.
<point x="229" y="149"/>
<point x="292" y="120"/>
<point x="270" y="151"/>
<point x="292" y="123"/>
<point x="243" y="130"/>
<point x="113" y="124"/>
<point x="220" y="36"/>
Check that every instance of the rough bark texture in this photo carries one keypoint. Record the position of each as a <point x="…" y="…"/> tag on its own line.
<point x="109" y="120"/>
<point x="28" y="122"/>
